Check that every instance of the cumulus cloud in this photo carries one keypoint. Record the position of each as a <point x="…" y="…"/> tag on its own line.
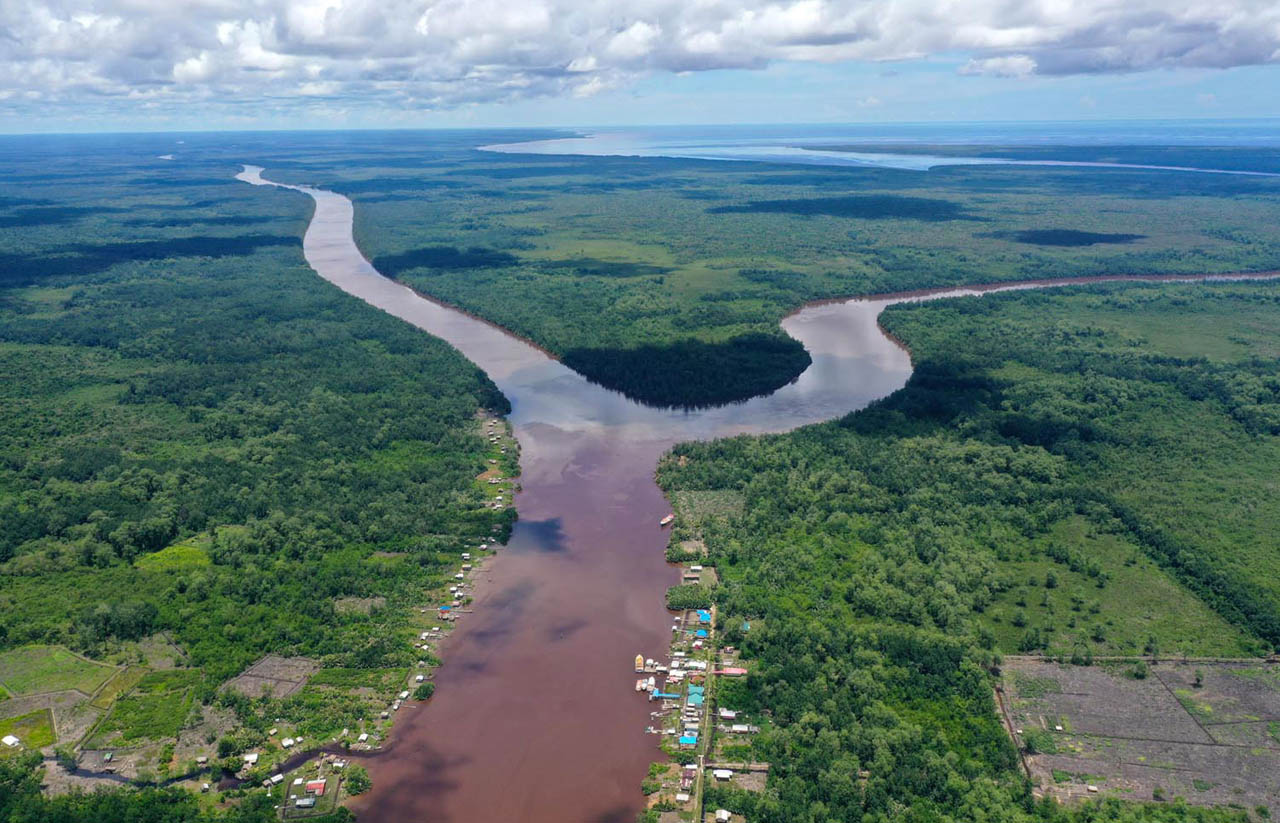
<point x="1013" y="65"/>
<point x="447" y="53"/>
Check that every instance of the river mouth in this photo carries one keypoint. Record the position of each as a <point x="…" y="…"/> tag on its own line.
<point x="535" y="718"/>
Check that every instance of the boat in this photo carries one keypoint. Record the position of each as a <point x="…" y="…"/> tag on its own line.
<point x="666" y="521"/>
<point x="640" y="685"/>
<point x="639" y="662"/>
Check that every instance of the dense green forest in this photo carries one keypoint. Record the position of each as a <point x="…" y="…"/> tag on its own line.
<point x="1057" y="461"/>
<point x="206" y="450"/>
<point x="666" y="278"/>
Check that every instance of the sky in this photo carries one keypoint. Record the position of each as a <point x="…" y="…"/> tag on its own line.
<point x="162" y="65"/>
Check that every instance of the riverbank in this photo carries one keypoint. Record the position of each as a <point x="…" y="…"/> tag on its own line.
<point x="537" y="673"/>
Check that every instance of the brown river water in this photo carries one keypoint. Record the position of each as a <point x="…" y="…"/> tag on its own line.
<point x="535" y="719"/>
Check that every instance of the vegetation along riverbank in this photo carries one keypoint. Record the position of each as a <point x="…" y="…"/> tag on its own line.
<point x="232" y="499"/>
<point x="1053" y="480"/>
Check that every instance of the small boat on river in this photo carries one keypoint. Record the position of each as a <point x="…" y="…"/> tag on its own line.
<point x="666" y="521"/>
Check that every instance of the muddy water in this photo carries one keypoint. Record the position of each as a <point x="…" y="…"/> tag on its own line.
<point x="535" y="718"/>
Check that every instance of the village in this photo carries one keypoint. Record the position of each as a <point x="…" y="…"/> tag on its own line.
<point x="706" y="737"/>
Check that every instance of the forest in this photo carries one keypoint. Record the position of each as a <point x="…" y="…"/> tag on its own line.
<point x="1049" y="446"/>
<point x="666" y="278"/>
<point x="206" y="449"/>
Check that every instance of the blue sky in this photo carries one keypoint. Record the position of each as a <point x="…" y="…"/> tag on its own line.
<point x="124" y="65"/>
<point x="906" y="91"/>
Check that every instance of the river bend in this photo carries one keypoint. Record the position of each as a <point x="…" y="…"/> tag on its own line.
<point x="534" y="718"/>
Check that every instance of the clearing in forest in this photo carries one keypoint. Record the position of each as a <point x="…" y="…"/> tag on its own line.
<point x="1205" y="732"/>
<point x="37" y="669"/>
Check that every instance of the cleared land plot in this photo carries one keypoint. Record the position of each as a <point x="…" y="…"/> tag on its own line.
<point x="377" y="680"/>
<point x="35" y="730"/>
<point x="118" y="685"/>
<point x="1163" y="735"/>
<point x="281" y="676"/>
<point x="149" y="717"/>
<point x="358" y="605"/>
<point x="697" y="507"/>
<point x="36" y="669"/>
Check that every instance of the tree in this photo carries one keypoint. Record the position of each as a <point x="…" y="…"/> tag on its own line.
<point x="357" y="781"/>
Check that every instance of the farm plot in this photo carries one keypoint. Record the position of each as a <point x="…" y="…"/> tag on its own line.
<point x="281" y="676"/>
<point x="34" y="730"/>
<point x="143" y="717"/>
<point x="37" y="669"/>
<point x="1206" y="732"/>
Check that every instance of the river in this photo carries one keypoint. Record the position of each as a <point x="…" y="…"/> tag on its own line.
<point x="534" y="717"/>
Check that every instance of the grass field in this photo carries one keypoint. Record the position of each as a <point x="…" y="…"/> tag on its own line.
<point x="35" y="730"/>
<point x="167" y="681"/>
<point x="1141" y="601"/>
<point x="118" y="685"/>
<point x="186" y="555"/>
<point x="379" y="679"/>
<point x="150" y="717"/>
<point x="34" y="669"/>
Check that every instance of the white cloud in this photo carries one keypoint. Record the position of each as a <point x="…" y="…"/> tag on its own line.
<point x="193" y="69"/>
<point x="1014" y="65"/>
<point x="633" y="42"/>
<point x="448" y="53"/>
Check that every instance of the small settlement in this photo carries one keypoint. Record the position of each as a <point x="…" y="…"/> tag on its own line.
<point x="701" y="737"/>
<point x="304" y="770"/>
<point x="311" y="788"/>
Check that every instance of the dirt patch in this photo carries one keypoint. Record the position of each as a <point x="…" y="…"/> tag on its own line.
<point x="161" y="652"/>
<point x="281" y="676"/>
<point x="693" y="547"/>
<point x="358" y="605"/>
<point x="1206" y="732"/>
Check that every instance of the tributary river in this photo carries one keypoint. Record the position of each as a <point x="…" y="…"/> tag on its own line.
<point x="535" y="718"/>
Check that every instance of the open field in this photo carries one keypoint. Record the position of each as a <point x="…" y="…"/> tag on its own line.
<point x="1159" y="737"/>
<point x="140" y="717"/>
<point x="1140" y="602"/>
<point x="33" y="669"/>
<point x="35" y="730"/>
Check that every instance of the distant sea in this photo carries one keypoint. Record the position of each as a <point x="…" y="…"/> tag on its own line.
<point x="894" y="145"/>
